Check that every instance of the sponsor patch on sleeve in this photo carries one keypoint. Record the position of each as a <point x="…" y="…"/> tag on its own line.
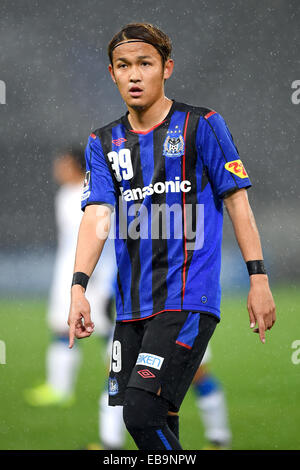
<point x="86" y="186"/>
<point x="237" y="168"/>
<point x="85" y="195"/>
<point x="86" y="180"/>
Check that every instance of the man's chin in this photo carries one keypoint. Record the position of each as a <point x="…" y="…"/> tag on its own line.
<point x="138" y="107"/>
<point x="137" y="104"/>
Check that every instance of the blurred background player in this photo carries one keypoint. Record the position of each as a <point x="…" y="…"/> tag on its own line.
<point x="212" y="406"/>
<point x="62" y="363"/>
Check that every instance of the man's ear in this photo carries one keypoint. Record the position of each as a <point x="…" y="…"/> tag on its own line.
<point x="168" y="70"/>
<point x="111" y="71"/>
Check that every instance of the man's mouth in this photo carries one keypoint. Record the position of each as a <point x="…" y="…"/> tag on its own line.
<point x="135" y="91"/>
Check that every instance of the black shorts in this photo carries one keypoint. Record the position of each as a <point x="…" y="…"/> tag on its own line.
<point x="159" y="353"/>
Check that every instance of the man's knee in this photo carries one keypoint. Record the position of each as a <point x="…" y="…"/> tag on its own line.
<point x="144" y="409"/>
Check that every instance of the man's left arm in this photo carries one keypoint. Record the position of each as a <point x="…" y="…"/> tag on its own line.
<point x="260" y="304"/>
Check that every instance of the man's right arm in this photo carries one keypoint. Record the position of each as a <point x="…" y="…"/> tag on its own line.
<point x="93" y="232"/>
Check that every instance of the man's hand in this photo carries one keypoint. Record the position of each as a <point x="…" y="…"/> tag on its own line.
<point x="261" y="306"/>
<point x="79" y="320"/>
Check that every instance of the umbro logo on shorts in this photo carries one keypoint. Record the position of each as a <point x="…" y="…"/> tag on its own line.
<point x="146" y="374"/>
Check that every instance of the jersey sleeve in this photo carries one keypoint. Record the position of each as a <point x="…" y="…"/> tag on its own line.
<point x="98" y="184"/>
<point x="220" y="156"/>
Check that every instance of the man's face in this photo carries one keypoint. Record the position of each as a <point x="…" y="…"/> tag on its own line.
<point x="139" y="73"/>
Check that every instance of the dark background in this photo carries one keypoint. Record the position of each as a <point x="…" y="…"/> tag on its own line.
<point x="239" y="58"/>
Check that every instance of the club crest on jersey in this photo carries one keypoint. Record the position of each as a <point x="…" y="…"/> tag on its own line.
<point x="174" y="144"/>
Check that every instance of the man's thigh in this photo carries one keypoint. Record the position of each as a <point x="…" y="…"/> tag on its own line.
<point x="172" y="348"/>
<point x="126" y="344"/>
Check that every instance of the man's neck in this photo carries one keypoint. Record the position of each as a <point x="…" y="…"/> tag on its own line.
<point x="144" y="119"/>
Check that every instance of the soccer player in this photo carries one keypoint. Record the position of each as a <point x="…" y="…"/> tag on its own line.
<point x="165" y="168"/>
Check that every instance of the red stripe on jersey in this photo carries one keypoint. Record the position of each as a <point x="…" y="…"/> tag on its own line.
<point x="184" y="211"/>
<point x="209" y="114"/>
<point x="184" y="345"/>
<point x="149" y="316"/>
<point x="93" y="136"/>
<point x="149" y="130"/>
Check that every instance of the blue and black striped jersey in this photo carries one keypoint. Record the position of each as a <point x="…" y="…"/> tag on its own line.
<point x="167" y="187"/>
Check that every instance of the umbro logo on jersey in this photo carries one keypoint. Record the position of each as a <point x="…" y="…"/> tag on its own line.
<point x="146" y="374"/>
<point x="119" y="141"/>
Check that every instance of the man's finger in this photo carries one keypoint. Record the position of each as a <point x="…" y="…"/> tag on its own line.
<point x="251" y="316"/>
<point x="262" y="329"/>
<point x="271" y="319"/>
<point x="88" y="324"/>
<point x="82" y="334"/>
<point x="71" y="335"/>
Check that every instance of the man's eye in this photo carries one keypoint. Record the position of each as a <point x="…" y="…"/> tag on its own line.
<point x="122" y="66"/>
<point x="146" y="63"/>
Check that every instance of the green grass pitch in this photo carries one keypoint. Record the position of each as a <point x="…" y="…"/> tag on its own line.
<point x="261" y="382"/>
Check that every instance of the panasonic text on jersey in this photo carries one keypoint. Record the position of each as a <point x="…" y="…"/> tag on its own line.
<point x="159" y="187"/>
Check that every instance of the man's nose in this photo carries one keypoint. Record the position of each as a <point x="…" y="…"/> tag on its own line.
<point x="135" y="75"/>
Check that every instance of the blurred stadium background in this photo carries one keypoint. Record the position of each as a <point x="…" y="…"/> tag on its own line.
<point x="239" y="58"/>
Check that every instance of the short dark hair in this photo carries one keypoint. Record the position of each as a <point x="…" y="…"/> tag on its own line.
<point x="145" y="32"/>
<point x="76" y="152"/>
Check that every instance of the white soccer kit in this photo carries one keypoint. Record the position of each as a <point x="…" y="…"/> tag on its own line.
<point x="68" y="217"/>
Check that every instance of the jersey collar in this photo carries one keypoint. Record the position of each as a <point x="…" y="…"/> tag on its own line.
<point x="129" y="128"/>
